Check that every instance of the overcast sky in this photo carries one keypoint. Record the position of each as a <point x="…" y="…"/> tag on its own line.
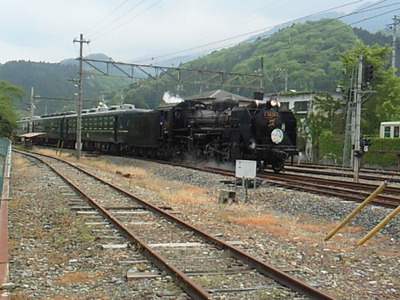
<point x="142" y="31"/>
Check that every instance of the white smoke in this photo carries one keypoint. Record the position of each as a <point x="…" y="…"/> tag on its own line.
<point x="169" y="98"/>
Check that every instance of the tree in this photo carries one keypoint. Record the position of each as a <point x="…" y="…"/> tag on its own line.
<point x="8" y="116"/>
<point x="384" y="103"/>
<point x="325" y="118"/>
<point x="132" y="97"/>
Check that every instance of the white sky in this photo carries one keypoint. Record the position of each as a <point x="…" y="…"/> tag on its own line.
<point x="138" y="30"/>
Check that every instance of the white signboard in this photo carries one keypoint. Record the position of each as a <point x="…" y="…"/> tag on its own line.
<point x="246" y="168"/>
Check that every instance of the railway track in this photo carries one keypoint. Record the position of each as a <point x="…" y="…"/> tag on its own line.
<point x="353" y="191"/>
<point x="345" y="189"/>
<point x="336" y="171"/>
<point x="187" y="254"/>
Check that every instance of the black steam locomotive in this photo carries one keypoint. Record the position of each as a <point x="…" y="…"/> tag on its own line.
<point x="223" y="130"/>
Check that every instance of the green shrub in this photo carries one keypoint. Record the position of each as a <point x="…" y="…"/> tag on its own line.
<point x="382" y="152"/>
<point x="330" y="146"/>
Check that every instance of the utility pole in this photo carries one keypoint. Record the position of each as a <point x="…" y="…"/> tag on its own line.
<point x="262" y="74"/>
<point x="357" y="133"/>
<point x="393" y="26"/>
<point x="31" y="110"/>
<point x="81" y="41"/>
<point x="286" y="80"/>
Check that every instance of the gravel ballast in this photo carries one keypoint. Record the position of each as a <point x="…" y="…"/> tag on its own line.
<point x="282" y="227"/>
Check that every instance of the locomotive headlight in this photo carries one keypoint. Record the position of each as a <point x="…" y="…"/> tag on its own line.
<point x="277" y="136"/>
<point x="274" y="103"/>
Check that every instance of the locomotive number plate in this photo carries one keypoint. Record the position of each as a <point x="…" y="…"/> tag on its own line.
<point x="270" y="114"/>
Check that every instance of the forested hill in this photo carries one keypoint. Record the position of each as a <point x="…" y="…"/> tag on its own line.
<point x="307" y="54"/>
<point x="51" y="80"/>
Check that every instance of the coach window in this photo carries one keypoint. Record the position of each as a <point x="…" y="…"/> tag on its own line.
<point x="396" y="131"/>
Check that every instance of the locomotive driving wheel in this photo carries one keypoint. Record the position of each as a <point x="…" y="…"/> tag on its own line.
<point x="278" y="167"/>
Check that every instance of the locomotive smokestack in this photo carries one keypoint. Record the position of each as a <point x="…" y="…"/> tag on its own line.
<point x="258" y="96"/>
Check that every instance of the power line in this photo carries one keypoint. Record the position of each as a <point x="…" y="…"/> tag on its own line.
<point x="135" y="16"/>
<point x="107" y="16"/>
<point x="233" y="44"/>
<point x="288" y="22"/>
<point x="260" y="30"/>
<point x="118" y="18"/>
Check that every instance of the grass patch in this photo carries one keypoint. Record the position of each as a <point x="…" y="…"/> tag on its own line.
<point x="292" y="228"/>
<point x="78" y="277"/>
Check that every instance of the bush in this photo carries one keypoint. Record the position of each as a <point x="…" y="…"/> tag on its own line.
<point x="382" y="152"/>
<point x="330" y="146"/>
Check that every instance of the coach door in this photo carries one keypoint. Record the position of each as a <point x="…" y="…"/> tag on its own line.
<point x="62" y="128"/>
<point x="115" y="129"/>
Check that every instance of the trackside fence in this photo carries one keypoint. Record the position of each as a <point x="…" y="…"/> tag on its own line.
<point x="5" y="170"/>
<point x="5" y="164"/>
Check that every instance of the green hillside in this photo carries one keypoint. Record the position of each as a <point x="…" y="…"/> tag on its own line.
<point x="302" y="57"/>
<point x="308" y="54"/>
<point x="52" y="80"/>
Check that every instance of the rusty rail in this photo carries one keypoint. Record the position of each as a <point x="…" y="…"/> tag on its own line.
<point x="184" y="282"/>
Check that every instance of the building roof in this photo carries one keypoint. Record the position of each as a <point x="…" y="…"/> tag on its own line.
<point x="217" y="95"/>
<point x="31" y="134"/>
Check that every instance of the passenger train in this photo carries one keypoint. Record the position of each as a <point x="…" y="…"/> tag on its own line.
<point x="223" y="130"/>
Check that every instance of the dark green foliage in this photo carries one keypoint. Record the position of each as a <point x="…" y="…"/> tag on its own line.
<point x="308" y="53"/>
<point x="331" y="147"/>
<point x="382" y="152"/>
<point x="54" y="80"/>
<point x="8" y="117"/>
<point x="384" y="103"/>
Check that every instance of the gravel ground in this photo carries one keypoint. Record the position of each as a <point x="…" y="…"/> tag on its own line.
<point x="282" y="227"/>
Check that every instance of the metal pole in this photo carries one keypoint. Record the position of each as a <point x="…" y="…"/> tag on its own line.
<point x="79" y="104"/>
<point x="357" y="133"/>
<point x="32" y="111"/>
<point x="395" y="22"/>
<point x="286" y="80"/>
<point x="262" y="74"/>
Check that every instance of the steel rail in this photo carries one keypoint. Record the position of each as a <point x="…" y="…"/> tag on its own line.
<point x="310" y="184"/>
<point x="264" y="268"/>
<point x="349" y="190"/>
<point x="338" y="174"/>
<point x="188" y="285"/>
